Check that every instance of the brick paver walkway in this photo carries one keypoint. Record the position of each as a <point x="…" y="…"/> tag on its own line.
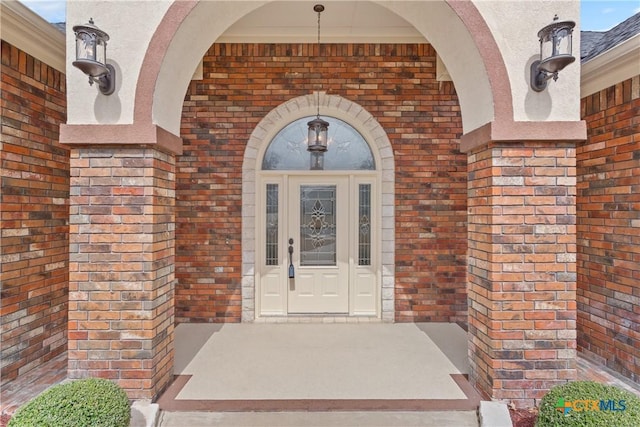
<point x="591" y="371"/>
<point x="32" y="383"/>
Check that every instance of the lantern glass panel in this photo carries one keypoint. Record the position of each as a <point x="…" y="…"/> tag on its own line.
<point x="317" y="161"/>
<point x="101" y="51"/>
<point x="313" y="132"/>
<point x="85" y="46"/>
<point x="555" y="40"/>
<point x="563" y="41"/>
<point x="546" y="48"/>
<point x="316" y="135"/>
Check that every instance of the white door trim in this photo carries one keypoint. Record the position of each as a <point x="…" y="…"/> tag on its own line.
<point x="370" y="129"/>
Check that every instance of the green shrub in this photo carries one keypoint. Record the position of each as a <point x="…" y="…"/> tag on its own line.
<point x="88" y="402"/>
<point x="588" y="414"/>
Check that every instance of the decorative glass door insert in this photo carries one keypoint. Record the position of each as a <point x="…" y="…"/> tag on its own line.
<point x="318" y="225"/>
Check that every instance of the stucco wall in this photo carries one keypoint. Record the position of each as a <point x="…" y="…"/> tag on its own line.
<point x="132" y="25"/>
<point x="515" y="25"/>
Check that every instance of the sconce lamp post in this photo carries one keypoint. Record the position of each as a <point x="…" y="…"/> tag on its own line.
<point x="91" y="56"/>
<point x="555" y="53"/>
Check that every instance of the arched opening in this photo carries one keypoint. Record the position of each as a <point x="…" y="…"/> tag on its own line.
<point x="378" y="299"/>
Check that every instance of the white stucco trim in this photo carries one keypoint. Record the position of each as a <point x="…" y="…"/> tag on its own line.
<point x="370" y="129"/>
<point x="442" y="74"/>
<point x="30" y="33"/>
<point x="616" y="65"/>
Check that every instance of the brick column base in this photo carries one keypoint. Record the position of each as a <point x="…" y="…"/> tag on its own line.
<point x="121" y="282"/>
<point x="522" y="269"/>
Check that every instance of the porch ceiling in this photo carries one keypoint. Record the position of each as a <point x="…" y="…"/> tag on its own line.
<point x="341" y="22"/>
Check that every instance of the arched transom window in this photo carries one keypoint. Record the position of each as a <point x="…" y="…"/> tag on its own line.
<point x="348" y="150"/>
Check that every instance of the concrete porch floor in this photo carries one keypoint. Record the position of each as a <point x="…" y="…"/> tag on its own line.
<point x="321" y="361"/>
<point x="324" y="374"/>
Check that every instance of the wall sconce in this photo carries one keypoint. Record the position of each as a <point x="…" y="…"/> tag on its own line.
<point x="555" y="53"/>
<point x="91" y="56"/>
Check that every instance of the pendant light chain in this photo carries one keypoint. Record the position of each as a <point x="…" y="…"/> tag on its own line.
<point x="319" y="9"/>
<point x="319" y="32"/>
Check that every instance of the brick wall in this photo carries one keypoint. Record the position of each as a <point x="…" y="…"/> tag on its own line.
<point x="121" y="267"/>
<point x="397" y="85"/>
<point x="609" y="229"/>
<point x="522" y="277"/>
<point x="35" y="190"/>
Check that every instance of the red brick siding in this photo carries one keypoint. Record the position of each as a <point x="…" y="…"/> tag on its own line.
<point x="397" y="85"/>
<point x="609" y="228"/>
<point x="121" y="270"/>
<point x="35" y="192"/>
<point x="522" y="277"/>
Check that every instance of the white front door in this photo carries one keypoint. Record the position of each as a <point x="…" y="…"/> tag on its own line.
<point x="330" y="220"/>
<point x="318" y="245"/>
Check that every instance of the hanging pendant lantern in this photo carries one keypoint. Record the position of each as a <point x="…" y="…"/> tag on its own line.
<point x="317" y="138"/>
<point x="318" y="128"/>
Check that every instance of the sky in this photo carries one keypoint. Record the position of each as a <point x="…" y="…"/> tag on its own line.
<point x="597" y="15"/>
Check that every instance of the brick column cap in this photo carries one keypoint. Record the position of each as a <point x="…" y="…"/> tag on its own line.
<point x="568" y="131"/>
<point x="133" y="134"/>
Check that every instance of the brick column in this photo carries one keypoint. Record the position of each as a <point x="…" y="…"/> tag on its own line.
<point x="522" y="269"/>
<point x="121" y="281"/>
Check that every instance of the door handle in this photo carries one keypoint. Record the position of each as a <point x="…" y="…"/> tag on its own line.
<point x="291" y="269"/>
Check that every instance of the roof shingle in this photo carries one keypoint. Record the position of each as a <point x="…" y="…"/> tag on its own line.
<point x="593" y="43"/>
